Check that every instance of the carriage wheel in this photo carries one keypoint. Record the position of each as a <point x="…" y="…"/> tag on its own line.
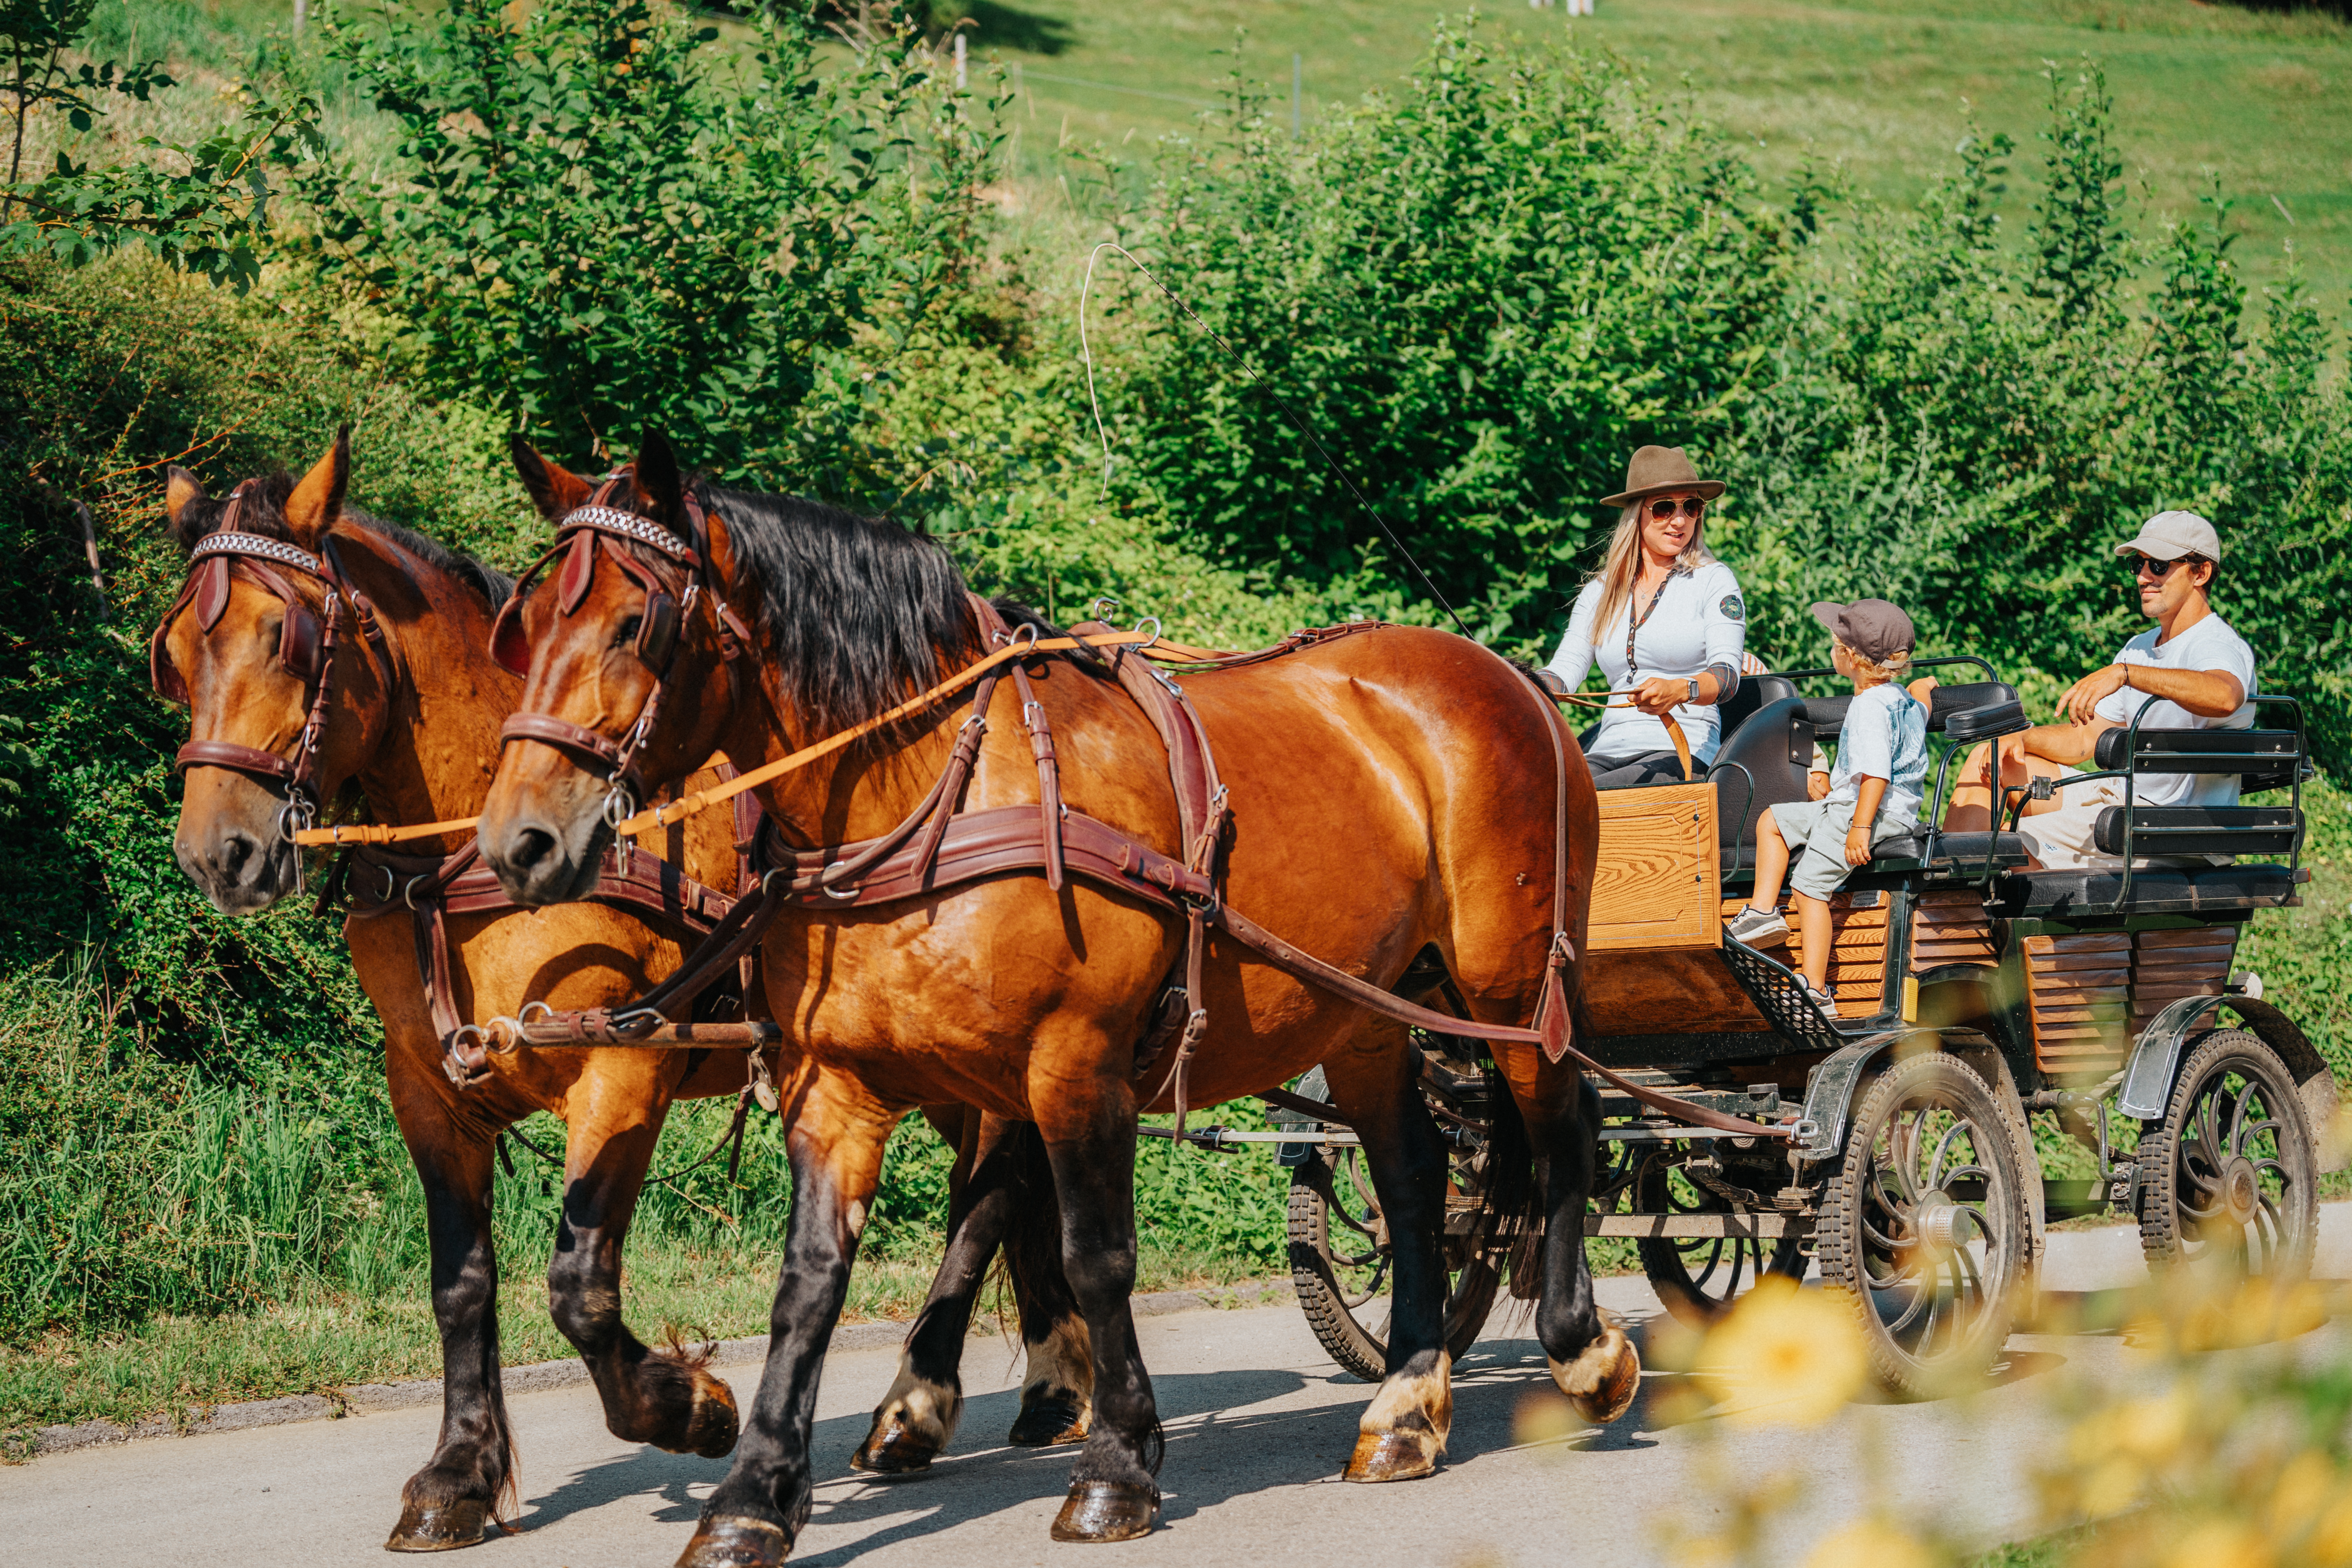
<point x="1698" y="1278"/>
<point x="2230" y="1175"/>
<point x="1923" y="1226"/>
<point x="1341" y="1259"/>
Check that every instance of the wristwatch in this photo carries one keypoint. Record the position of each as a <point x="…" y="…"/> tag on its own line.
<point x="1694" y="696"/>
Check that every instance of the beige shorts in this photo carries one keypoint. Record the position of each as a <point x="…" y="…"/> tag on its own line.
<point x="2061" y="837"/>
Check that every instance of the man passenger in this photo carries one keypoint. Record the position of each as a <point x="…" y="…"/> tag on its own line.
<point x="2203" y="670"/>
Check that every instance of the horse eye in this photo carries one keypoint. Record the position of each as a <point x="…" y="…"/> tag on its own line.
<point x="626" y="634"/>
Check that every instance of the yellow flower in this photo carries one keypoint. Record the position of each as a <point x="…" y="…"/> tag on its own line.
<point x="1786" y="1355"/>
<point x="2301" y="1493"/>
<point x="2221" y="1543"/>
<point x="1868" y="1543"/>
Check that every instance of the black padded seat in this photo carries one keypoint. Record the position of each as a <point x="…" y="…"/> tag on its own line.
<point x="2095" y="890"/>
<point x="1956" y="854"/>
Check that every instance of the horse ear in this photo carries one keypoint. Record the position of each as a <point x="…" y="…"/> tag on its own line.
<point x="555" y="490"/>
<point x="181" y="489"/>
<point x="318" y="501"/>
<point x="655" y="474"/>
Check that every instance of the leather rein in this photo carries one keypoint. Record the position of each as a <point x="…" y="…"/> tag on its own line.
<point x="938" y="845"/>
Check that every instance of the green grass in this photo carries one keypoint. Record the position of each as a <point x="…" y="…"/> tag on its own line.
<point x="2262" y="98"/>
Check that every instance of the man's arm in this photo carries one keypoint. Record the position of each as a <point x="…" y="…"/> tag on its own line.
<point x="2207" y="693"/>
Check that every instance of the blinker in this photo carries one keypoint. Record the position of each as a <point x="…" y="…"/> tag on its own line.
<point x="657" y="631"/>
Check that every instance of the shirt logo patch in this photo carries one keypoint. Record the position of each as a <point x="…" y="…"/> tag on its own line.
<point x="1732" y="608"/>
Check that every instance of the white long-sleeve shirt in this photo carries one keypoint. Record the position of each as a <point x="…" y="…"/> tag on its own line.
<point x="1700" y="624"/>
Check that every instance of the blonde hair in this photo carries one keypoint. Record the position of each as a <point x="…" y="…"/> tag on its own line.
<point x="1622" y="567"/>
<point x="1891" y="671"/>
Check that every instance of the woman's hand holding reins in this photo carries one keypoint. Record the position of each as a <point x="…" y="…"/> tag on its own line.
<point x="1662" y="694"/>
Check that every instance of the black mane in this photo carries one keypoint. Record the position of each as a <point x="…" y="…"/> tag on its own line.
<point x="265" y="513"/>
<point x="855" y="611"/>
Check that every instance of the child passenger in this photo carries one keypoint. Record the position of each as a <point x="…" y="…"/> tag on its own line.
<point x="1882" y="762"/>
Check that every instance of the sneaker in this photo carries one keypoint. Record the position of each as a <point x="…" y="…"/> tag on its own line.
<point x="1821" y="999"/>
<point x="1752" y="927"/>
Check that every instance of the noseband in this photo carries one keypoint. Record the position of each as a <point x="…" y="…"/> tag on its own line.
<point x="586" y="535"/>
<point x="306" y="650"/>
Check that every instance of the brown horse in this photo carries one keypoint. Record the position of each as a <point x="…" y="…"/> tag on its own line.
<point x="414" y="721"/>
<point x="1393" y="798"/>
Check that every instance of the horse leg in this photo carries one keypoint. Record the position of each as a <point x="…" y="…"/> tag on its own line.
<point x="470" y="1477"/>
<point x="1375" y="1086"/>
<point x="916" y="1418"/>
<point x="1089" y="1127"/>
<point x="667" y="1398"/>
<point x="836" y="1142"/>
<point x="1057" y="1385"/>
<point x="1591" y="1358"/>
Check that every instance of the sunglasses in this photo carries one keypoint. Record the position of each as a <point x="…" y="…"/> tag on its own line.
<point x="2149" y="566"/>
<point x="1666" y="506"/>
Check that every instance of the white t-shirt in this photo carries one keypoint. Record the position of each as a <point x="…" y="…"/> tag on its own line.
<point x="2210" y="645"/>
<point x="1700" y="621"/>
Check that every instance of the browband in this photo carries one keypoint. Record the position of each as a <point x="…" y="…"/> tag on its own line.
<point x="610" y="519"/>
<point x="269" y="549"/>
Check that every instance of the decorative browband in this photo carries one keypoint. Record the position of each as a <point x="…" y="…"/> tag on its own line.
<point x="267" y="549"/>
<point x="607" y="520"/>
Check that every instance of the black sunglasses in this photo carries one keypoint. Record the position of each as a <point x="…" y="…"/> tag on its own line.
<point x="2149" y="566"/>
<point x="1666" y="506"/>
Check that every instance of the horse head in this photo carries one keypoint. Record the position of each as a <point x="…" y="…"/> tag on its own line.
<point x="628" y="647"/>
<point x="262" y="631"/>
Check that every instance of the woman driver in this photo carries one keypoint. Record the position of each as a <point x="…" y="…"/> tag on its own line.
<point x="1665" y="619"/>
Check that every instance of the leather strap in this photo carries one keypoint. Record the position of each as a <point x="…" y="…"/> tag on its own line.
<point x="581" y="744"/>
<point x="267" y="766"/>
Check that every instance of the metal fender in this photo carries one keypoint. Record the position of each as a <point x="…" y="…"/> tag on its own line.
<point x="2156" y="1059"/>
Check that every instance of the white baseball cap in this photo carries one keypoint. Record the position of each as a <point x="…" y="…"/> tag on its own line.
<point x="2170" y="535"/>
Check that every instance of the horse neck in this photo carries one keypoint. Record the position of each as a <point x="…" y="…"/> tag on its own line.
<point x="440" y="742"/>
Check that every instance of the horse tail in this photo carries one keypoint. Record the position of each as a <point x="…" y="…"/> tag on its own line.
<point x="1510" y="1212"/>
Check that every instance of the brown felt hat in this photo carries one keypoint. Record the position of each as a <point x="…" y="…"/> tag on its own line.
<point x="1655" y="470"/>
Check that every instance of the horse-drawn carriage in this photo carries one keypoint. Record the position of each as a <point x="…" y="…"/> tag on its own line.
<point x="1971" y="992"/>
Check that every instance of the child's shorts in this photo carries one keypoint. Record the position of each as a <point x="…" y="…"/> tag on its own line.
<point x="1815" y="832"/>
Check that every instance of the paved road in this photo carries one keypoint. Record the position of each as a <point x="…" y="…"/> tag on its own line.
<point x="1258" y="1422"/>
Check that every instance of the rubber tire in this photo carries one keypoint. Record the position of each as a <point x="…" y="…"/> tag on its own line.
<point x="2159" y="1214"/>
<point x="1669" y="1272"/>
<point x="1356" y="1349"/>
<point x="1837" y="1238"/>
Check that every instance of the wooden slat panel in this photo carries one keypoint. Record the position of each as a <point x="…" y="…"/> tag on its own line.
<point x="2079" y="991"/>
<point x="2225" y="937"/>
<point x="1658" y="881"/>
<point x="2081" y="942"/>
<point x="2167" y="965"/>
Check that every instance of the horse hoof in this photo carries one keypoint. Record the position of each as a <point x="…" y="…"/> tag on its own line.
<point x="1602" y="1382"/>
<point x="1107" y="1511"/>
<point x="439" y="1527"/>
<point x="1052" y="1418"/>
<point x="893" y="1449"/>
<point x="1392" y="1457"/>
<point x="735" y="1541"/>
<point x="712" y="1430"/>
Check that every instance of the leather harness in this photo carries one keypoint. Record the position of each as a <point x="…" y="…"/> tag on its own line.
<point x="432" y="888"/>
<point x="938" y="846"/>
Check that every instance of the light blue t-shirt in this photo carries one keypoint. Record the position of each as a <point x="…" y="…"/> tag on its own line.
<point x="1885" y="737"/>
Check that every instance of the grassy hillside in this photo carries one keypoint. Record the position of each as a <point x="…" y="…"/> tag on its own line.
<point x="2263" y="100"/>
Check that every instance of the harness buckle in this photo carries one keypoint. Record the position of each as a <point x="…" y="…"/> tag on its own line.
<point x="829" y="890"/>
<point x="619" y="805"/>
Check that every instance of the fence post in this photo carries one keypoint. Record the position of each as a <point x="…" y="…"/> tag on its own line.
<point x="1297" y="77"/>
<point x="960" y="79"/>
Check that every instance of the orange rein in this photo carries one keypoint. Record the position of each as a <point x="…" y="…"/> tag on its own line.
<point x="339" y="834"/>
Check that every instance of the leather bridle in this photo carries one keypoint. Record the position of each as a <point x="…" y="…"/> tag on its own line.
<point x="586" y="535"/>
<point x="306" y="650"/>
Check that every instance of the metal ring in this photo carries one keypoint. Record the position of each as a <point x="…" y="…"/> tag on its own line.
<point x="832" y="892"/>
<point x="1154" y="622"/>
<point x="390" y="882"/>
<point x="1029" y="627"/>
<point x="619" y="805"/>
<point x="522" y="1014"/>
<point x="1101" y="608"/>
<point x="409" y="898"/>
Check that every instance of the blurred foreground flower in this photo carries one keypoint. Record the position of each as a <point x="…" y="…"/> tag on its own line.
<point x="1785" y="1355"/>
<point x="1872" y="1544"/>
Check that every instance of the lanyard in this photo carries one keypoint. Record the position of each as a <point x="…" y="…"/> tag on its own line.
<point x="1633" y="665"/>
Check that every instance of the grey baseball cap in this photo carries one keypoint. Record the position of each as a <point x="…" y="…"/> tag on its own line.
<point x="1872" y="628"/>
<point x="2170" y="535"/>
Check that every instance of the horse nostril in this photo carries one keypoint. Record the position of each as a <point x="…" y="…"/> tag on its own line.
<point x="531" y="848"/>
<point x="236" y="849"/>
